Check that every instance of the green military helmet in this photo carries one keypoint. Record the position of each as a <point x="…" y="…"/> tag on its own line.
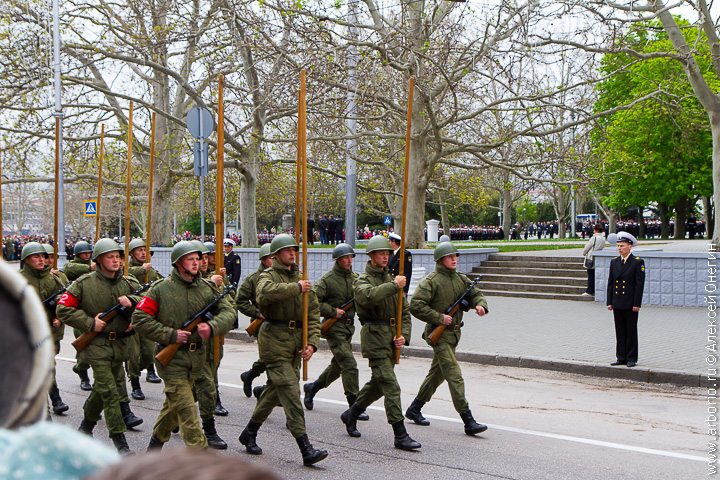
<point x="32" y="248"/>
<point x="183" y="248"/>
<point x="49" y="249"/>
<point x="201" y="246"/>
<point x="282" y="241"/>
<point x="210" y="246"/>
<point x="342" y="250"/>
<point x="105" y="245"/>
<point x="443" y="250"/>
<point x="136" y="243"/>
<point x="378" y="242"/>
<point x="82" y="247"/>
<point x="264" y="251"/>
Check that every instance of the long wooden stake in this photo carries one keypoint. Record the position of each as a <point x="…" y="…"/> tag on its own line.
<point x="298" y="173"/>
<point x="2" y="240"/>
<point x="128" y="189"/>
<point x="56" y="230"/>
<point x="219" y="200"/>
<point x="302" y="156"/>
<point x="99" y="187"/>
<point x="403" y="221"/>
<point x="148" y="228"/>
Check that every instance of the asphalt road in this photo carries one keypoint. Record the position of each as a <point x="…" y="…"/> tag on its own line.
<point x="543" y="425"/>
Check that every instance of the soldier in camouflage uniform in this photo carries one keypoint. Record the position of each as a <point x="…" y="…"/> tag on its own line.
<point x="334" y="289"/>
<point x="433" y="296"/>
<point x="160" y="316"/>
<point x="37" y="271"/>
<point x="80" y="307"/>
<point x="74" y="269"/>
<point x="141" y="349"/>
<point x="280" y="297"/>
<point x="246" y="303"/>
<point x="376" y="294"/>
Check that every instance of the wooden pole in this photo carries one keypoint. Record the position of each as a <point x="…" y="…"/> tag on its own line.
<point x="302" y="156"/>
<point x="403" y="220"/>
<point x="56" y="229"/>
<point x="148" y="228"/>
<point x="298" y="172"/>
<point x="219" y="206"/>
<point x="99" y="187"/>
<point x="128" y="190"/>
<point x="2" y="240"/>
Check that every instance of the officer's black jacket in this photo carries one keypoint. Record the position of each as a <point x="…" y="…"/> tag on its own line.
<point x="626" y="283"/>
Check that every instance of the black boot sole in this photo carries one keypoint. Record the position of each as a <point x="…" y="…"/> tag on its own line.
<point x="321" y="455"/>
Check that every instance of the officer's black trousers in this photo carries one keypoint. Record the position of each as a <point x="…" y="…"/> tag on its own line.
<point x="626" y="334"/>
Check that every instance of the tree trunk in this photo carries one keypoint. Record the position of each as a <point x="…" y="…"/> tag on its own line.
<point x="664" y="220"/>
<point x="708" y="217"/>
<point x="681" y="208"/>
<point x="612" y="220"/>
<point x="444" y="219"/>
<point x="248" y="217"/>
<point x="715" y="129"/>
<point x="507" y="212"/>
<point x="641" y="222"/>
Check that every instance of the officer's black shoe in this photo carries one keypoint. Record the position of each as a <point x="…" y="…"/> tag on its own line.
<point x="257" y="391"/>
<point x="413" y="413"/>
<point x="349" y="418"/>
<point x="618" y="362"/>
<point x="310" y="454"/>
<point x="402" y="439"/>
<point x="137" y="393"/>
<point x="58" y="405"/>
<point x="154" y="444"/>
<point x="310" y="390"/>
<point x="128" y="416"/>
<point x="151" y="376"/>
<point x="247" y="379"/>
<point x="220" y="411"/>
<point x="86" y="427"/>
<point x="121" y="444"/>
<point x="471" y="426"/>
<point x="84" y="379"/>
<point x="248" y="438"/>
<point x="363" y="416"/>
<point x="213" y="439"/>
<point x="631" y="364"/>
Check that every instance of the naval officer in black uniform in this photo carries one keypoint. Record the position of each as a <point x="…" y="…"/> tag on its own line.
<point x="394" y="263"/>
<point x="626" y="282"/>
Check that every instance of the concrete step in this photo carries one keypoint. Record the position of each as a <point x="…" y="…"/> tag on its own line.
<point x="524" y="263"/>
<point x="530" y="287"/>
<point x="533" y="279"/>
<point x="508" y="270"/>
<point x="538" y="295"/>
<point x="506" y="257"/>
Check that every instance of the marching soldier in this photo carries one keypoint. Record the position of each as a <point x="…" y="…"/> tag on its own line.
<point x="246" y="303"/>
<point x="432" y="298"/>
<point x="334" y="289"/>
<point x="279" y="295"/>
<point x="376" y="294"/>
<point x="159" y="317"/>
<point x="232" y="262"/>
<point x="80" y="307"/>
<point x="141" y="348"/>
<point x="74" y="269"/>
<point x="37" y="271"/>
<point x="394" y="262"/>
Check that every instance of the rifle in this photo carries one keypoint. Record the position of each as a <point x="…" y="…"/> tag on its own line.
<point x="50" y="301"/>
<point x="84" y="340"/>
<point x="329" y="322"/>
<point x="254" y="326"/>
<point x="190" y="325"/>
<point x="461" y="302"/>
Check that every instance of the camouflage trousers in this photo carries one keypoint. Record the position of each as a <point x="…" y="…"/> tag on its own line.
<point x="108" y="391"/>
<point x="140" y="355"/>
<point x="179" y="410"/>
<point x="383" y="383"/>
<point x="342" y="364"/>
<point x="444" y="367"/>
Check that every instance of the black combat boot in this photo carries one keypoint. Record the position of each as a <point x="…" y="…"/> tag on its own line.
<point x="471" y="426"/>
<point x="310" y="454"/>
<point x="247" y="379"/>
<point x="154" y="444"/>
<point x="413" y="413"/>
<point x="137" y="393"/>
<point x="402" y="439"/>
<point x="84" y="379"/>
<point x="257" y="391"/>
<point x="214" y="440"/>
<point x="58" y="405"/>
<point x="248" y="438"/>
<point x="310" y="390"/>
<point x="129" y="417"/>
<point x="220" y="411"/>
<point x="121" y="444"/>
<point x="363" y="416"/>
<point x="86" y="427"/>
<point x="151" y="376"/>
<point x="349" y="418"/>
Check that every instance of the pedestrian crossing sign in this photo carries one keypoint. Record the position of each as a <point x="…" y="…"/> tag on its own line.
<point x="90" y="208"/>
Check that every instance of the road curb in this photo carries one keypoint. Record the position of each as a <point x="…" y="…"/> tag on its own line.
<point x="636" y="374"/>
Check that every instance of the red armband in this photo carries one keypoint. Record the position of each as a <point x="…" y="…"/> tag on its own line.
<point x="148" y="305"/>
<point x="69" y="300"/>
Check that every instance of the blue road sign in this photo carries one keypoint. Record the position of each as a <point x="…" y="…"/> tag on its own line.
<point x="387" y="220"/>
<point x="90" y="208"/>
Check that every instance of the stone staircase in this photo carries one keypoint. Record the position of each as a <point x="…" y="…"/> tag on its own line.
<point x="527" y="276"/>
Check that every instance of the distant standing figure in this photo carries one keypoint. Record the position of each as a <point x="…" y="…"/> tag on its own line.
<point x="626" y="282"/>
<point x="596" y="243"/>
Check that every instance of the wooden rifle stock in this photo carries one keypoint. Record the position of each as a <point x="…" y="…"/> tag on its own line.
<point x="48" y="302"/>
<point x="437" y="332"/>
<point x="329" y="322"/>
<point x="254" y="326"/>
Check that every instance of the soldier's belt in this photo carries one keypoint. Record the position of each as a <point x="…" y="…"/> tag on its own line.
<point x="190" y="346"/>
<point x="116" y="335"/>
<point x="290" y="325"/>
